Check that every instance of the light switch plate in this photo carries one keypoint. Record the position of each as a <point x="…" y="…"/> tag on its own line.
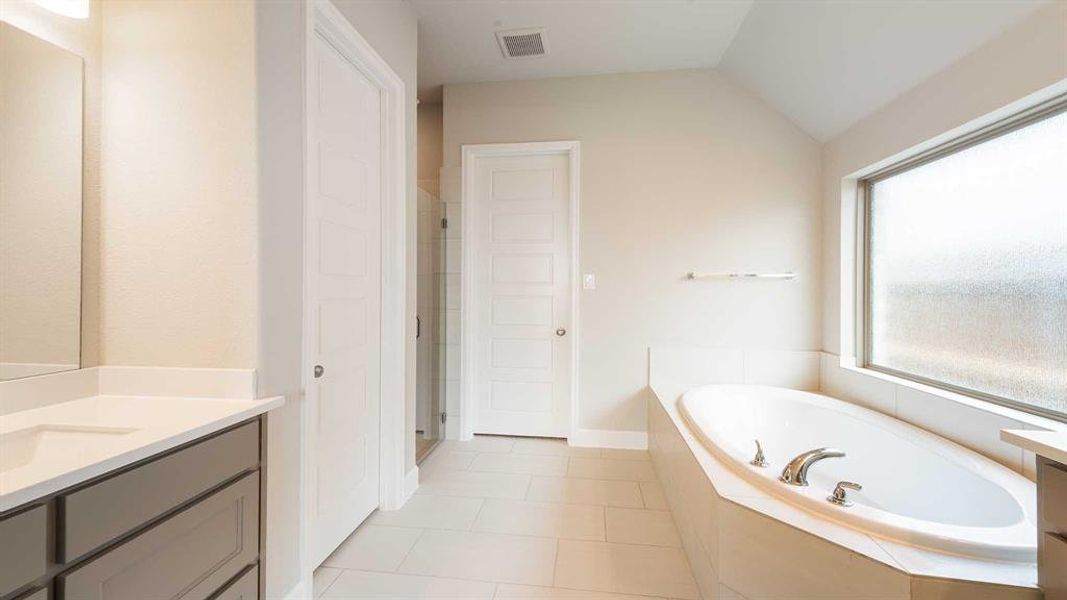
<point x="589" y="281"/>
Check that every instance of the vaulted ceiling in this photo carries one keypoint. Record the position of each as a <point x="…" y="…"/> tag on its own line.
<point x="457" y="42"/>
<point x="826" y="65"/>
<point x="823" y="64"/>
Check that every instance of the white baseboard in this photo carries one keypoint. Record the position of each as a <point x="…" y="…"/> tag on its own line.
<point x="301" y="591"/>
<point x="411" y="483"/>
<point x="609" y="438"/>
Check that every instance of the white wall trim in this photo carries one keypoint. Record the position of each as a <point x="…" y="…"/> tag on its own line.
<point x="301" y="591"/>
<point x="326" y="21"/>
<point x="468" y="295"/>
<point x="609" y="438"/>
<point x="411" y="483"/>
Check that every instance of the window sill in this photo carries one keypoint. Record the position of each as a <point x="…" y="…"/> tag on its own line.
<point x="1031" y="421"/>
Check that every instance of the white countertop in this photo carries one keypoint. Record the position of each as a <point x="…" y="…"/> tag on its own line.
<point x="1050" y="444"/>
<point x="47" y="449"/>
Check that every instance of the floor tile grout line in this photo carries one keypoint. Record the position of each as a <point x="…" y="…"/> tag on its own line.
<point x="605" y="523"/>
<point x="328" y="586"/>
<point x="549" y="537"/>
<point x="410" y="550"/>
<point x="449" y="578"/>
<point x="538" y="501"/>
<point x="529" y="484"/>
<point x="555" y="563"/>
<point x="498" y="583"/>
<point x="478" y="514"/>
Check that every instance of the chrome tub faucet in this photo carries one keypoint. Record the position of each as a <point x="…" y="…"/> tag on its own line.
<point x="796" y="472"/>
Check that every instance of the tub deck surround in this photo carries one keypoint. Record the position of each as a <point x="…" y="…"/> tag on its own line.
<point x="65" y="441"/>
<point x="741" y="539"/>
<point x="1050" y="444"/>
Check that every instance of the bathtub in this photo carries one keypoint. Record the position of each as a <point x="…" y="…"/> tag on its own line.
<point x="918" y="488"/>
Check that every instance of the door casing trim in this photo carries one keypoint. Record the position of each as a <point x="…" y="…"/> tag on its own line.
<point x="471" y="153"/>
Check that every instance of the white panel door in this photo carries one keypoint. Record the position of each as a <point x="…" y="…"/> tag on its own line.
<point x="344" y="294"/>
<point x="522" y="352"/>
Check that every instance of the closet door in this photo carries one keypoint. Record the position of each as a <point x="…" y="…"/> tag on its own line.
<point x="344" y="287"/>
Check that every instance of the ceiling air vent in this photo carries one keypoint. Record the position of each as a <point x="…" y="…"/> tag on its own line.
<point x="522" y="43"/>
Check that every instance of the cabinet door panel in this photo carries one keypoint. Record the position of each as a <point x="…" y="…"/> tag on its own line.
<point x="189" y="556"/>
<point x="23" y="548"/>
<point x="1053" y="570"/>
<point x="246" y="587"/>
<point x="1053" y="481"/>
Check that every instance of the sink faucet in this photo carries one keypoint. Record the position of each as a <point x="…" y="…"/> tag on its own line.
<point x="796" y="472"/>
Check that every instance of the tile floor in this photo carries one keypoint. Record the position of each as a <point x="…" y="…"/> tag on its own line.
<point x="518" y="518"/>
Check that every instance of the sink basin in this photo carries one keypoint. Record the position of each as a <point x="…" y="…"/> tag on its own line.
<point x="49" y="443"/>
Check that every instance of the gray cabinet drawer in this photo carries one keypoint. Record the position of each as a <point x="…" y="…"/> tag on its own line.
<point x="95" y="515"/>
<point x="1054" y="567"/>
<point x="245" y="587"/>
<point x="189" y="556"/>
<point x="1054" y="497"/>
<point x="23" y="548"/>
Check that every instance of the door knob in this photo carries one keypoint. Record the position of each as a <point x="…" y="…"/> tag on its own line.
<point x="318" y="371"/>
<point x="561" y="332"/>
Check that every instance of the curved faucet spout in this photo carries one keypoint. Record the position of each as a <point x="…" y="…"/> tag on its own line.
<point x="796" y="472"/>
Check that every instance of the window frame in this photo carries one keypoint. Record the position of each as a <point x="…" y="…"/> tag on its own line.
<point x="865" y="196"/>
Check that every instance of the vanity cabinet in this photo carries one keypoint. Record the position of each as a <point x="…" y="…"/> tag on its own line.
<point x="23" y="547"/>
<point x="1052" y="544"/>
<point x="96" y="514"/>
<point x="244" y="587"/>
<point x="184" y="524"/>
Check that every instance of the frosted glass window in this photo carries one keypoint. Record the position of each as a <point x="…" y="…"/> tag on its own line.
<point x="967" y="268"/>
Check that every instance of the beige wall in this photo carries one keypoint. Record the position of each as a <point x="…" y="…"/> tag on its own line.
<point x="680" y="171"/>
<point x="81" y="37"/>
<point x="178" y="249"/>
<point x="1027" y="58"/>
<point x="431" y="122"/>
<point x="40" y="203"/>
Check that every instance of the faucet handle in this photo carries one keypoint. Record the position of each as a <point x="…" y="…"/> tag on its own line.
<point x="759" y="460"/>
<point x="840" y="496"/>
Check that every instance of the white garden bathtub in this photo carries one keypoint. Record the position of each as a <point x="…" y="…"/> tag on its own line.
<point x="918" y="488"/>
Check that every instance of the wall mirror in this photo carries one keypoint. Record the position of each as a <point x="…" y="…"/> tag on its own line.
<point x="40" y="205"/>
